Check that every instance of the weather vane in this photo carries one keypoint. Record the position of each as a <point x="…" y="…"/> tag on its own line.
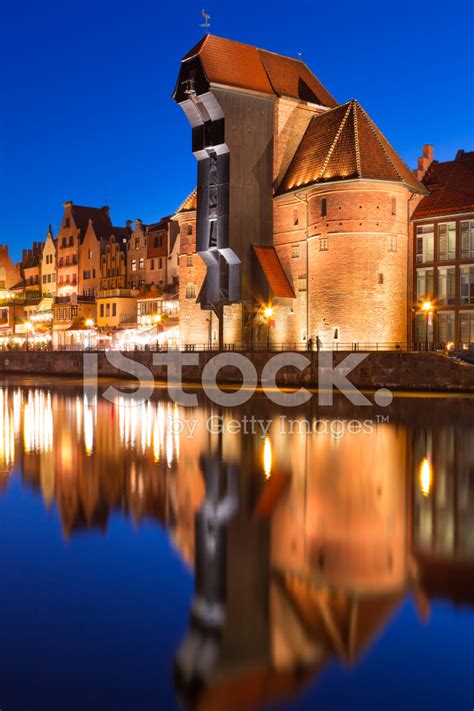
<point x="206" y="22"/>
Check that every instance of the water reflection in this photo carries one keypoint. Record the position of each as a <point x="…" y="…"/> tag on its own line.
<point x="303" y="546"/>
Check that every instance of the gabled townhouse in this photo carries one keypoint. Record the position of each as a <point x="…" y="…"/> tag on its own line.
<point x="48" y="265"/>
<point x="162" y="254"/>
<point x="136" y="256"/>
<point x="74" y="225"/>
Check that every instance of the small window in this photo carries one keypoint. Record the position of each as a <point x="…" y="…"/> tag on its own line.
<point x="152" y="264"/>
<point x="114" y="309"/>
<point x="302" y="283"/>
<point x="102" y="310"/>
<point x="160" y="263"/>
<point x="295" y="216"/>
<point x="392" y="243"/>
<point x="214" y="336"/>
<point x="190" y="229"/>
<point x="141" y="263"/>
<point x="134" y="265"/>
<point x="189" y="260"/>
<point x="324" y="207"/>
<point x="304" y="335"/>
<point x="336" y="334"/>
<point x="394" y="206"/>
<point x="89" y="254"/>
<point x="190" y="291"/>
<point x="67" y="222"/>
<point x="323" y="244"/>
<point x="295" y="251"/>
<point x="380" y="278"/>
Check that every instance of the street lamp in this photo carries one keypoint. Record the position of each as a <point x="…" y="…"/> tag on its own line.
<point x="268" y="313"/>
<point x="427" y="308"/>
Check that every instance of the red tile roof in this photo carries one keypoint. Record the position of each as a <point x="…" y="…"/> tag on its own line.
<point x="451" y="187"/>
<point x="274" y="272"/>
<point x="343" y="144"/>
<point x="241" y="65"/>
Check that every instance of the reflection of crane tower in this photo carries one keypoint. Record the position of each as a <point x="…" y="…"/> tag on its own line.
<point x="229" y="620"/>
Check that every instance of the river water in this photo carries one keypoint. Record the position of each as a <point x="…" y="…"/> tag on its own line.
<point x="156" y="557"/>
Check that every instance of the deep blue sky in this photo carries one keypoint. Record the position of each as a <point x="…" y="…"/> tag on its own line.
<point x="86" y="91"/>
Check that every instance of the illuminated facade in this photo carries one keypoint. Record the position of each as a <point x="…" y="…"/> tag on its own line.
<point x="443" y="253"/>
<point x="301" y="205"/>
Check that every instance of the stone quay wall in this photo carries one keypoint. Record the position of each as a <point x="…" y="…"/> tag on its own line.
<point x="394" y="370"/>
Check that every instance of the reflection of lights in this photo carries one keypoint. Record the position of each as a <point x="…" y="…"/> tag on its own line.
<point x="38" y="422"/>
<point x="7" y="433"/>
<point x="267" y="458"/>
<point x="88" y="428"/>
<point x="426" y="476"/>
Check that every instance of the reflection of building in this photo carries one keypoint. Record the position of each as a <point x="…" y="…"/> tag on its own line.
<point x="443" y="247"/>
<point x="443" y="511"/>
<point x="300" y="569"/>
<point x="303" y="545"/>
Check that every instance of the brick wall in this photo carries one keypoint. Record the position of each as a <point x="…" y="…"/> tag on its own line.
<point x="354" y="262"/>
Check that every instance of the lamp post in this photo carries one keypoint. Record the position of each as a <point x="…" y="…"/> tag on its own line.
<point x="89" y="326"/>
<point x="268" y="313"/>
<point x="427" y="308"/>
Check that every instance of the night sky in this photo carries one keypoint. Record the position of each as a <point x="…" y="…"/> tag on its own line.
<point x="87" y="113"/>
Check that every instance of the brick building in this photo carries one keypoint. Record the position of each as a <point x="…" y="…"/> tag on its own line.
<point x="443" y="249"/>
<point x="9" y="272"/>
<point x="302" y="208"/>
<point x="73" y="229"/>
<point x="162" y="254"/>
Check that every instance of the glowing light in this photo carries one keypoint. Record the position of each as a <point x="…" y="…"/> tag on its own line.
<point x="267" y="458"/>
<point x="268" y="312"/>
<point x="88" y="427"/>
<point x="89" y="323"/>
<point x="426" y="476"/>
<point x="427" y="306"/>
<point x="157" y="319"/>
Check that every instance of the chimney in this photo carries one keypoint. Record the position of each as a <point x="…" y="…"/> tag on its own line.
<point x="106" y="209"/>
<point x="68" y="203"/>
<point x="128" y="224"/>
<point x="425" y="161"/>
<point x="460" y="154"/>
